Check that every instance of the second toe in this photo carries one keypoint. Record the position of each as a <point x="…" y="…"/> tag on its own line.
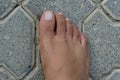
<point x="61" y="24"/>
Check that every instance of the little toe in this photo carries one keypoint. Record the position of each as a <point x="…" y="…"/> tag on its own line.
<point x="61" y="24"/>
<point x="69" y="28"/>
<point x="47" y="23"/>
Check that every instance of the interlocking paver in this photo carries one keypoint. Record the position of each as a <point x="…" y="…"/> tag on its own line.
<point x="76" y="10"/>
<point x="36" y="74"/>
<point x="104" y="43"/>
<point x="17" y="41"/>
<point x="17" y="36"/>
<point x="5" y="75"/>
<point x="6" y="6"/>
<point x="115" y="75"/>
<point x="113" y="7"/>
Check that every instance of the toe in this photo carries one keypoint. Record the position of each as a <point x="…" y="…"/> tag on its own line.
<point x="69" y="28"/>
<point x="47" y="23"/>
<point x="76" y="33"/>
<point x="83" y="40"/>
<point x="61" y="24"/>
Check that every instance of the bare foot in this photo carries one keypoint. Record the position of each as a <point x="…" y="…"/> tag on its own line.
<point x="64" y="52"/>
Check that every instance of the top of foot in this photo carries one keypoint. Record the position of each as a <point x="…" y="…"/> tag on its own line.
<point x="63" y="48"/>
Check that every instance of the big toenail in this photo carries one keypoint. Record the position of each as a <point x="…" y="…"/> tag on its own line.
<point x="48" y="15"/>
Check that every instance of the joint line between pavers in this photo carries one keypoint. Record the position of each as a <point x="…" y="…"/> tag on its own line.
<point x="107" y="11"/>
<point x="35" y="54"/>
<point x="98" y="3"/>
<point x="107" y="74"/>
<point x="36" y="21"/>
<point x="11" y="72"/>
<point x="114" y="21"/>
<point x="82" y="23"/>
<point x="3" y="18"/>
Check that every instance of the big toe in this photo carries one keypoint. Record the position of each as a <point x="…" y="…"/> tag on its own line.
<point x="47" y="24"/>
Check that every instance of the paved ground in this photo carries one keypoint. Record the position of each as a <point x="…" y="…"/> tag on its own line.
<point x="19" y="52"/>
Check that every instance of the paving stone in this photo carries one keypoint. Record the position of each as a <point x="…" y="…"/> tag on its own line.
<point x="73" y="9"/>
<point x="5" y="75"/>
<point x="6" y="6"/>
<point x="104" y="43"/>
<point x="113" y="7"/>
<point x="17" y="41"/>
<point x="115" y="75"/>
<point x="36" y="74"/>
<point x="17" y="35"/>
<point x="90" y="79"/>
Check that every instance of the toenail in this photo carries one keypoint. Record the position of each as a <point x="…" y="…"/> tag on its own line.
<point x="67" y="19"/>
<point x="60" y="13"/>
<point x="48" y="15"/>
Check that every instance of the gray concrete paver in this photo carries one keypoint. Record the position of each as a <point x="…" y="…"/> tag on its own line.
<point x="17" y="41"/>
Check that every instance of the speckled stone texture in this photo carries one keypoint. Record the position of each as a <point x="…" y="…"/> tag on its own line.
<point x="76" y="10"/>
<point x="115" y="75"/>
<point x="113" y="8"/>
<point x="104" y="43"/>
<point x="6" y="6"/>
<point x="19" y="40"/>
<point x="5" y="75"/>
